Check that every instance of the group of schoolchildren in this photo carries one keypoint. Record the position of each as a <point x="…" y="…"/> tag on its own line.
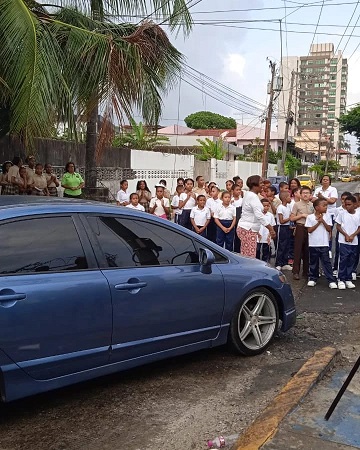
<point x="303" y="221"/>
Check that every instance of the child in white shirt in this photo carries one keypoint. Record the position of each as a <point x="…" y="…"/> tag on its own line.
<point x="213" y="204"/>
<point x="175" y="202"/>
<point x="264" y="239"/>
<point x="200" y="216"/>
<point x="225" y="219"/>
<point x="283" y="234"/>
<point x="134" y="203"/>
<point x="159" y="205"/>
<point x="348" y="226"/>
<point x="122" y="197"/>
<point x="319" y="225"/>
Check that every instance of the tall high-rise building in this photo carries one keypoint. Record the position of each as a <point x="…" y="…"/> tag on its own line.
<point x="318" y="98"/>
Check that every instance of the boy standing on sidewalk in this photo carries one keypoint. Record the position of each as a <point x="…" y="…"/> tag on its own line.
<point x="300" y="211"/>
<point x="319" y="226"/>
<point x="348" y="226"/>
<point x="283" y="235"/>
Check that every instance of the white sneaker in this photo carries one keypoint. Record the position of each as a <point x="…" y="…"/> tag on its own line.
<point x="341" y="285"/>
<point x="311" y="283"/>
<point x="349" y="284"/>
<point x="333" y="285"/>
<point x="330" y="254"/>
<point x="278" y="268"/>
<point x="353" y="276"/>
<point x="287" y="267"/>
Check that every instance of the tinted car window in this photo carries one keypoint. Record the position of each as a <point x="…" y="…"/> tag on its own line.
<point x="40" y="245"/>
<point x="132" y="243"/>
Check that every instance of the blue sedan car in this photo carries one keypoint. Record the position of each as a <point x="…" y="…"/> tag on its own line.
<point x="88" y="289"/>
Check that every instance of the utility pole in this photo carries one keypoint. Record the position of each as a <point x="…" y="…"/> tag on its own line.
<point x="265" y="158"/>
<point x="289" y="120"/>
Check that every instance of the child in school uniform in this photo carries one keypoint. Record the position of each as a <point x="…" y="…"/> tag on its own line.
<point x="134" y="203"/>
<point x="263" y="246"/>
<point x="337" y="212"/>
<point x="355" y="274"/>
<point x="319" y="225"/>
<point x="283" y="235"/>
<point x="236" y="200"/>
<point x="200" y="216"/>
<point x="122" y="197"/>
<point x="213" y="204"/>
<point x="225" y="219"/>
<point x="348" y="226"/>
<point x="159" y="205"/>
<point x="175" y="202"/>
<point x="187" y="200"/>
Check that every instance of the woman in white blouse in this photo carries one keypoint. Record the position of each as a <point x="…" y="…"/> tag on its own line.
<point x="252" y="217"/>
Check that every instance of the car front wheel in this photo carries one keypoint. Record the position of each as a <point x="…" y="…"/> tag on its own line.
<point x="254" y="323"/>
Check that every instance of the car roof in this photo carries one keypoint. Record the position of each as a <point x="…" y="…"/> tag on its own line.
<point x="22" y="205"/>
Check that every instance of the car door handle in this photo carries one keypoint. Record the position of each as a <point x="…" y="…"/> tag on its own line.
<point x="11" y="297"/>
<point x="131" y="285"/>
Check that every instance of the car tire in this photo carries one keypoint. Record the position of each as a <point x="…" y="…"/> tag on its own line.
<point x="254" y="323"/>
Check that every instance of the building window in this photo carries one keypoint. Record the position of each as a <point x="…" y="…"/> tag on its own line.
<point x="308" y="69"/>
<point x="332" y="100"/>
<point x="333" y="61"/>
<point x="320" y="61"/>
<point x="331" y="116"/>
<point x="332" y="108"/>
<point x="309" y="61"/>
<point x="332" y="93"/>
<point x="333" y="85"/>
<point x="333" y="69"/>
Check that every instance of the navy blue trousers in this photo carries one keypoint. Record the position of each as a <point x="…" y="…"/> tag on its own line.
<point x="203" y="234"/>
<point x="211" y="231"/>
<point x="263" y="251"/>
<point x="283" y="243"/>
<point x="225" y="238"/>
<point x="357" y="256"/>
<point x="184" y="219"/>
<point x="347" y="259"/>
<point x="337" y="250"/>
<point x="237" y="243"/>
<point x="317" y="254"/>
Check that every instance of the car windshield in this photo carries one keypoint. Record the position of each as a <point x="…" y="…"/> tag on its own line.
<point x="304" y="178"/>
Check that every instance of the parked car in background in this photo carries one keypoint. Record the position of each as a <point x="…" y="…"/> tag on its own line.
<point x="275" y="181"/>
<point x="346" y="178"/>
<point x="306" y="180"/>
<point x="88" y="289"/>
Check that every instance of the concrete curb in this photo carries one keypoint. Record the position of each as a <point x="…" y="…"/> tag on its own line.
<point x="266" y="424"/>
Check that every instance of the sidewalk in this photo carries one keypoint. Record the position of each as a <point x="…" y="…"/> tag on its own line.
<point x="305" y="428"/>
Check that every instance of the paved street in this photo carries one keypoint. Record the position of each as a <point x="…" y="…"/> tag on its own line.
<point x="180" y="403"/>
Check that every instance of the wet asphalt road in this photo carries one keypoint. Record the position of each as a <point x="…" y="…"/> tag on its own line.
<point x="179" y="403"/>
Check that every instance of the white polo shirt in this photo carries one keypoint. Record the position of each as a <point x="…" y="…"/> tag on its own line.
<point x="190" y="203"/>
<point x="319" y="237"/>
<point x="175" y="204"/>
<point x="237" y="203"/>
<point x="264" y="232"/>
<point x="159" y="211"/>
<point x="330" y="192"/>
<point x="225" y="212"/>
<point x="285" y="210"/>
<point x="138" y="207"/>
<point x="349" y="223"/>
<point x="200" y="216"/>
<point x="122" y="196"/>
<point x="212" y="204"/>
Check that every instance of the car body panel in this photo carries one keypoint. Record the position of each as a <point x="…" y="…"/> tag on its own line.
<point x="56" y="342"/>
<point x="346" y="178"/>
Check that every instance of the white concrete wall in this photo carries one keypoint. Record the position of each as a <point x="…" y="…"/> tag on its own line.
<point x="154" y="166"/>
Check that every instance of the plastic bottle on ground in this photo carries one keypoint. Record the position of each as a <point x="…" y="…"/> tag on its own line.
<point x="222" y="441"/>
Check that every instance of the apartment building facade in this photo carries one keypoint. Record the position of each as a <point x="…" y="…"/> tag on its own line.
<point x="318" y="98"/>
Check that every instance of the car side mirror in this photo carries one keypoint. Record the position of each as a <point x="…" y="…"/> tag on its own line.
<point x="206" y="259"/>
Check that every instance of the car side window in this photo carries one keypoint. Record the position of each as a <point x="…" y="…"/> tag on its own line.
<point x="46" y="244"/>
<point x="133" y="243"/>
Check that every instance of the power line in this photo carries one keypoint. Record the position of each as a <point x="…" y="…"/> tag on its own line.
<point x="321" y="9"/>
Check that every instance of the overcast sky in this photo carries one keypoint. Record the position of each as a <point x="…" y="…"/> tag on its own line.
<point x="237" y="57"/>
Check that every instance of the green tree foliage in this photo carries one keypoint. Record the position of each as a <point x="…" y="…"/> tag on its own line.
<point x="60" y="63"/>
<point x="139" y="138"/>
<point x="350" y="123"/>
<point x="319" y="168"/>
<point x="211" y="149"/>
<point x="292" y="165"/>
<point x="208" y="120"/>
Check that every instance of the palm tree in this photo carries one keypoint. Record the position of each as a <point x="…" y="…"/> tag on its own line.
<point x="139" y="138"/>
<point x="211" y="149"/>
<point x="58" y="62"/>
